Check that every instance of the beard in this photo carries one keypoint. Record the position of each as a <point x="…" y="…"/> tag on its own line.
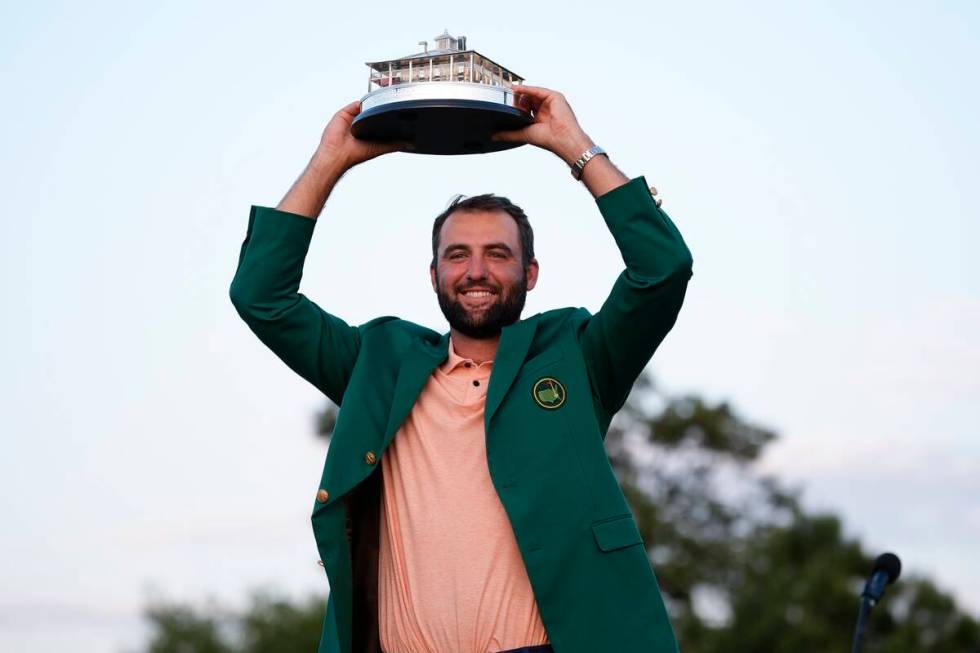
<point x="486" y="324"/>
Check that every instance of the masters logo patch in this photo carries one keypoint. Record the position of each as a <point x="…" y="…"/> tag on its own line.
<point x="548" y="392"/>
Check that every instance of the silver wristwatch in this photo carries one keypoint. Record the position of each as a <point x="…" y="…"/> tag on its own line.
<point x="582" y="160"/>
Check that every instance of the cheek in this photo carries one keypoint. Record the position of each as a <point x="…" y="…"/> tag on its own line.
<point x="507" y="276"/>
<point x="448" y="276"/>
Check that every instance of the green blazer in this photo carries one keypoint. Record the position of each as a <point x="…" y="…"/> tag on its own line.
<point x="558" y="378"/>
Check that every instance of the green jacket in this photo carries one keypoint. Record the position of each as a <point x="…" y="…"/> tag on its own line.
<point x="584" y="555"/>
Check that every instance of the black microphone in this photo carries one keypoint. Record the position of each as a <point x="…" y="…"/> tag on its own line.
<point x="886" y="570"/>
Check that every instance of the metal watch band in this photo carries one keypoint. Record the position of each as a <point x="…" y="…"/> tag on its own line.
<point x="582" y="160"/>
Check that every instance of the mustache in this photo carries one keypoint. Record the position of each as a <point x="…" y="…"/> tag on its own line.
<point x="485" y="286"/>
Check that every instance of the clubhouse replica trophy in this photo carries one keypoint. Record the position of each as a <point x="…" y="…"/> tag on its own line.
<point x="446" y="101"/>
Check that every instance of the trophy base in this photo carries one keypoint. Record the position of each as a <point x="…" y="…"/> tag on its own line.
<point x="441" y="126"/>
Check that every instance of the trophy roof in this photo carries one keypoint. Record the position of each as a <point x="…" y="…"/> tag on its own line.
<point x="382" y="66"/>
<point x="432" y="53"/>
<point x="442" y="39"/>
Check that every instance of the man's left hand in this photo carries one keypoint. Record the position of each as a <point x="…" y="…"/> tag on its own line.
<point x="555" y="127"/>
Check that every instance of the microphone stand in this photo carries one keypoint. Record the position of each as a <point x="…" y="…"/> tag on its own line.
<point x="863" y="610"/>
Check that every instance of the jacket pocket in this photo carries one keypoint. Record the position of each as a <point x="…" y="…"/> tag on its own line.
<point x="616" y="533"/>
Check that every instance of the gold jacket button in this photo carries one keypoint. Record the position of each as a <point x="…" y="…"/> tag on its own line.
<point x="320" y="562"/>
<point x="322" y="496"/>
<point x="370" y="458"/>
<point x="653" y="193"/>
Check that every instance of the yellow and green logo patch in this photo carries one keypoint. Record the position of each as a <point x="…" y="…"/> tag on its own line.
<point x="548" y="392"/>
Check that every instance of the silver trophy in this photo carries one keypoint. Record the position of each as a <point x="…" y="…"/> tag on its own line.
<point x="448" y="100"/>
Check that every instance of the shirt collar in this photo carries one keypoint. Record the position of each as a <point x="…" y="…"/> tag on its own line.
<point x="455" y="360"/>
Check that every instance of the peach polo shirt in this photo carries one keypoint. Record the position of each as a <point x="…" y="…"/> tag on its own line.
<point x="450" y="575"/>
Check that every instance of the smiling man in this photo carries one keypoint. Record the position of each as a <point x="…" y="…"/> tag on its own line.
<point x="466" y="503"/>
<point x="482" y="267"/>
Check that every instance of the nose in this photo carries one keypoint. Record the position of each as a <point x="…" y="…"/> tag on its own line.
<point x="477" y="268"/>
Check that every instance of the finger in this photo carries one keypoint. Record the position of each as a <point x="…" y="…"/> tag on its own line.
<point x="351" y="109"/>
<point x="527" y="101"/>
<point x="539" y="92"/>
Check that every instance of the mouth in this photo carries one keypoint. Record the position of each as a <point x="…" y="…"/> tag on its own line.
<point x="477" y="297"/>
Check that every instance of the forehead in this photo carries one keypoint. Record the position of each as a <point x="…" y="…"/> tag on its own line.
<point x="476" y="228"/>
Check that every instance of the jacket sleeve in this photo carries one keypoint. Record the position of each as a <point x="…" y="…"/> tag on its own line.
<point x="318" y="346"/>
<point x="620" y="339"/>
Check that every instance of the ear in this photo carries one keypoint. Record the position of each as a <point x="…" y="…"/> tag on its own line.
<point x="432" y="277"/>
<point x="532" y="273"/>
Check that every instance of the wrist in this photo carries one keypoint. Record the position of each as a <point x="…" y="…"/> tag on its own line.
<point x="573" y="148"/>
<point x="329" y="164"/>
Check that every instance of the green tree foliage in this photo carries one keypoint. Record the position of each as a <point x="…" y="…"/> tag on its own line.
<point x="269" y="624"/>
<point x="272" y="621"/>
<point x="743" y="567"/>
<point x="183" y="629"/>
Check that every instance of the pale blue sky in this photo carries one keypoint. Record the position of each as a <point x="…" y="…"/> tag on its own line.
<point x="817" y="159"/>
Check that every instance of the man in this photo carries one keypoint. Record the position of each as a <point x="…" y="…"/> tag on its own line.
<point x="467" y="504"/>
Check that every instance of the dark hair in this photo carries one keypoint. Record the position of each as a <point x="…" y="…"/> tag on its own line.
<point x="487" y="202"/>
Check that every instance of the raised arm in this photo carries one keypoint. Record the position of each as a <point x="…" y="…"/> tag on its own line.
<point x="556" y="129"/>
<point x="620" y="339"/>
<point x="337" y="153"/>
<point x="318" y="346"/>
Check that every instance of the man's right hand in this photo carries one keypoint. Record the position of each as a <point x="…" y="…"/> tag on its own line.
<point x="338" y="146"/>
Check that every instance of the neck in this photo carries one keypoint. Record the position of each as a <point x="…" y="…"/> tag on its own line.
<point x="478" y="349"/>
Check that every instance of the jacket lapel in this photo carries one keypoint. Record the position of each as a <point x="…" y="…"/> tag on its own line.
<point x="417" y="366"/>
<point x="415" y="370"/>
<point x="511" y="352"/>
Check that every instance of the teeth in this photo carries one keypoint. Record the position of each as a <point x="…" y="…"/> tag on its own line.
<point x="478" y="293"/>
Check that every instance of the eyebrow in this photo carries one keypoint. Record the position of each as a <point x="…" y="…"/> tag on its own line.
<point x="461" y="247"/>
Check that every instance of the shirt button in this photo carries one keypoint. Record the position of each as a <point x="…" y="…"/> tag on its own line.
<point x="322" y="496"/>
<point x="476" y="383"/>
<point x="370" y="458"/>
<point x="467" y="364"/>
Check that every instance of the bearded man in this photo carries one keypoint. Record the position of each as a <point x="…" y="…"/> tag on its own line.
<point x="467" y="504"/>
